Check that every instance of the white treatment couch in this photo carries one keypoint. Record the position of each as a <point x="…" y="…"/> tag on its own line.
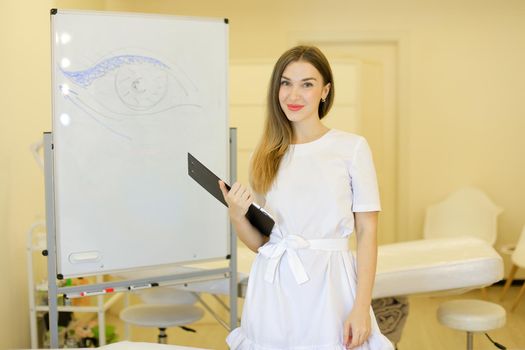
<point x="452" y="265"/>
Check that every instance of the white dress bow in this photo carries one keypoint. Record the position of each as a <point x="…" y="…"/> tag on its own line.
<point x="274" y="251"/>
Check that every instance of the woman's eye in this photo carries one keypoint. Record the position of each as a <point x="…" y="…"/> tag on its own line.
<point x="285" y="83"/>
<point x="308" y="85"/>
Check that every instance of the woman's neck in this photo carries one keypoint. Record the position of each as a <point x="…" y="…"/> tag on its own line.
<point x="307" y="133"/>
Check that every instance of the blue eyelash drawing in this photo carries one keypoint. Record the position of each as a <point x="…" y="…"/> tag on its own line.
<point x="86" y="77"/>
<point x="129" y="86"/>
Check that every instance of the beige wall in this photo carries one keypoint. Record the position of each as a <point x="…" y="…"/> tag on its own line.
<point x="25" y="113"/>
<point x="462" y="120"/>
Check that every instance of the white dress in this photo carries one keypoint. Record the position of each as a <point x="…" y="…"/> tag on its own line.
<point x="302" y="283"/>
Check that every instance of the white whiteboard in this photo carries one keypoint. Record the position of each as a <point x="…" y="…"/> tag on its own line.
<point x="132" y="94"/>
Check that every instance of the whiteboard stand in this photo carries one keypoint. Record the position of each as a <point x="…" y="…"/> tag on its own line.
<point x="123" y="286"/>
<point x="52" y="290"/>
<point x="234" y="289"/>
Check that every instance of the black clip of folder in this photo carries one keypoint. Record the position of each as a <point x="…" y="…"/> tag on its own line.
<point x="210" y="182"/>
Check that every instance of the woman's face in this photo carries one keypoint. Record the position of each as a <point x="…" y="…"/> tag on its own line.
<point x="301" y="90"/>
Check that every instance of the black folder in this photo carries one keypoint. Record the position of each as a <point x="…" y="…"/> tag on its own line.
<point x="210" y="182"/>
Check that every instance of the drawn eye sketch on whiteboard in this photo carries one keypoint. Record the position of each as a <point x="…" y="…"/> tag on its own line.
<point x="123" y="87"/>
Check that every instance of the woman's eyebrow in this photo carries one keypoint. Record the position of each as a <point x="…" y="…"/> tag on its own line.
<point x="305" y="79"/>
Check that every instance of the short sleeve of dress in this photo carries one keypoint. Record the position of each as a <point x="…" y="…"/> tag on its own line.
<point x="364" y="180"/>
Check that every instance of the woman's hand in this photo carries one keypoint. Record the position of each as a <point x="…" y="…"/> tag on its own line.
<point x="239" y="199"/>
<point x="356" y="328"/>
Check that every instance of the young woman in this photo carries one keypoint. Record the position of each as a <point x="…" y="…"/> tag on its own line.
<point x="306" y="290"/>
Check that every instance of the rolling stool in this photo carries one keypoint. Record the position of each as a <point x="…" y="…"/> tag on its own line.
<point x="167" y="296"/>
<point x="161" y="317"/>
<point x="471" y="316"/>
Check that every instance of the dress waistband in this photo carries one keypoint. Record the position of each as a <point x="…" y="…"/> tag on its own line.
<point x="276" y="247"/>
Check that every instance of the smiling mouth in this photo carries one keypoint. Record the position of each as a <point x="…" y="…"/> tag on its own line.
<point x="294" y="108"/>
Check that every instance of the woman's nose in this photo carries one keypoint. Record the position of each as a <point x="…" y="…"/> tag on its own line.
<point x="294" y="93"/>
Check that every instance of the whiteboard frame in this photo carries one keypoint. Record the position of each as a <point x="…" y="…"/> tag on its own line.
<point x="63" y="262"/>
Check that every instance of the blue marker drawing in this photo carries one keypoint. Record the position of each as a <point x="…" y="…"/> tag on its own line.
<point x="85" y="77"/>
<point x="72" y="97"/>
<point x="127" y="86"/>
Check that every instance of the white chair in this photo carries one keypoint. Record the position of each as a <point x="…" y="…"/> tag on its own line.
<point x="471" y="316"/>
<point x="518" y="260"/>
<point x="466" y="212"/>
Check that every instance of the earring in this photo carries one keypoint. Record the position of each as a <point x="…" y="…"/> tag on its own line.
<point x="323" y="100"/>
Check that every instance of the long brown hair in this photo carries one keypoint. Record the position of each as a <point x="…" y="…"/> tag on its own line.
<point x="278" y="131"/>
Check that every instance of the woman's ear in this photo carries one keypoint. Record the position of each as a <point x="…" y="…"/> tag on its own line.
<point x="326" y="90"/>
